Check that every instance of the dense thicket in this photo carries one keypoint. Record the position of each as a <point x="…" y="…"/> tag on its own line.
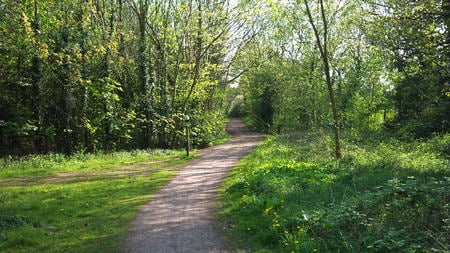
<point x="387" y="62"/>
<point x="112" y="74"/>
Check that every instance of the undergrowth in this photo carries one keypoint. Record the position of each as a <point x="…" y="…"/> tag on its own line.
<point x="382" y="196"/>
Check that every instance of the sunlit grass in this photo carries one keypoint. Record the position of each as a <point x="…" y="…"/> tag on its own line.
<point x="383" y="196"/>
<point x="88" y="214"/>
<point x="74" y="217"/>
<point x="52" y="164"/>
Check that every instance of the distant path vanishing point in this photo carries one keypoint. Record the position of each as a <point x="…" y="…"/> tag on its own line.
<point x="180" y="217"/>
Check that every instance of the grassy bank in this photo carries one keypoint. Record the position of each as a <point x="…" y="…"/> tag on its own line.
<point x="88" y="214"/>
<point x="383" y="196"/>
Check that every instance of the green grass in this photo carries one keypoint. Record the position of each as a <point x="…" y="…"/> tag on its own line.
<point x="78" y="215"/>
<point x="383" y="196"/>
<point x="52" y="164"/>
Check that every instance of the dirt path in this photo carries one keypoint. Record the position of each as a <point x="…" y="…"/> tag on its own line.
<point x="180" y="218"/>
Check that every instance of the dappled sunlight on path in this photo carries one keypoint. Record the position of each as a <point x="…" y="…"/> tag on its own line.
<point x="180" y="217"/>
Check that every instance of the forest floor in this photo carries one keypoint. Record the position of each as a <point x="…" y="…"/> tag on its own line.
<point x="180" y="218"/>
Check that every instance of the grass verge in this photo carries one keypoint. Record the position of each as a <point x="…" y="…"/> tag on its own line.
<point x="78" y="216"/>
<point x="383" y="196"/>
<point x="52" y="164"/>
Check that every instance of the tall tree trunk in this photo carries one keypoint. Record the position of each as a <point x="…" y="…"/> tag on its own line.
<point x="66" y="105"/>
<point x="323" y="48"/>
<point x="85" y="135"/>
<point x="109" y="137"/>
<point x="143" y="70"/>
<point x="197" y="54"/>
<point x="37" y="78"/>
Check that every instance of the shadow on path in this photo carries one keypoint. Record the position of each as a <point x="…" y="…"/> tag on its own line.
<point x="180" y="217"/>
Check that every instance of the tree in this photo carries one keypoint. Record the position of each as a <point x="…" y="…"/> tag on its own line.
<point x="322" y="44"/>
<point x="416" y="36"/>
<point x="108" y="74"/>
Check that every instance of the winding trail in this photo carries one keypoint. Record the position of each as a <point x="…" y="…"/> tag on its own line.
<point x="180" y="218"/>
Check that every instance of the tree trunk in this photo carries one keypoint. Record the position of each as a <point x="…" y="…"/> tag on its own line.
<point x="37" y="78"/>
<point x="85" y="135"/>
<point x="325" y="58"/>
<point x="198" y="55"/>
<point x="144" y="81"/>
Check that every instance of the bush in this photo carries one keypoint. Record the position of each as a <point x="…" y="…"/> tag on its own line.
<point x="207" y="128"/>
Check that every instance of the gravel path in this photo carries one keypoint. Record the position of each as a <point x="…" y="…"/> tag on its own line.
<point x="180" y="218"/>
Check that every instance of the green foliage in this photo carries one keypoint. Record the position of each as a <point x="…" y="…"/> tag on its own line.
<point x="388" y="60"/>
<point x="261" y="97"/>
<point x="401" y="215"/>
<point x="207" y="128"/>
<point x="382" y="196"/>
<point x="103" y="75"/>
<point x="236" y="109"/>
<point x="423" y="106"/>
<point x="414" y="36"/>
<point x="278" y="96"/>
